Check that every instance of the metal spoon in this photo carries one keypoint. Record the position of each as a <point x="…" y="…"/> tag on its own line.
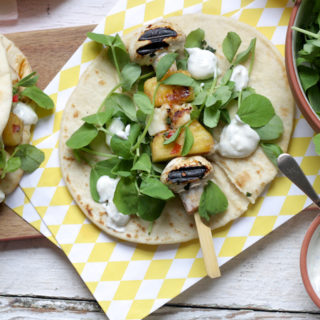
<point x="291" y="169"/>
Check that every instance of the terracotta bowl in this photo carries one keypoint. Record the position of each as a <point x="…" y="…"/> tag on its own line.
<point x="310" y="261"/>
<point x="299" y="13"/>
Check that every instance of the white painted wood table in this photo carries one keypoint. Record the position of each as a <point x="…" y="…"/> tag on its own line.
<point x="38" y="282"/>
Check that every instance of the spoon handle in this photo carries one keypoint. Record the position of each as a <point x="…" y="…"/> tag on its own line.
<point x="290" y="168"/>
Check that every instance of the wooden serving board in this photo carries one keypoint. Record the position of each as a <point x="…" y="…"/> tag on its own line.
<point x="47" y="52"/>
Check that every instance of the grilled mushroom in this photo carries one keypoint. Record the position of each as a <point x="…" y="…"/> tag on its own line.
<point x="154" y="40"/>
<point x="184" y="173"/>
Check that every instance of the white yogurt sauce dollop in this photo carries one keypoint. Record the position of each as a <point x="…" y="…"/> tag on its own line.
<point x="240" y="76"/>
<point x="237" y="139"/>
<point x="106" y="187"/>
<point x="25" y="113"/>
<point x="202" y="64"/>
<point x="117" y="127"/>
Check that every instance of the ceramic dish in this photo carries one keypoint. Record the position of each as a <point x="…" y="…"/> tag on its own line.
<point x="310" y="261"/>
<point x="299" y="14"/>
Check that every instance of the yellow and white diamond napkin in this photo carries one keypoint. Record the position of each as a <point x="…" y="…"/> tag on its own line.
<point x="130" y="281"/>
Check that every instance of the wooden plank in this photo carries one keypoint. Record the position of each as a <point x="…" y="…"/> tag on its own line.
<point x="14" y="227"/>
<point x="264" y="277"/>
<point x="36" y="308"/>
<point x="47" y="52"/>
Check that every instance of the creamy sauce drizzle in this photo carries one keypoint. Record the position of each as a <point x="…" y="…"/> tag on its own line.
<point x="106" y="187"/>
<point x="240" y="76"/>
<point x="117" y="127"/>
<point x="237" y="139"/>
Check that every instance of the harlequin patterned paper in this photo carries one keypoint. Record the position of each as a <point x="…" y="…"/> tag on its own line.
<point x="130" y="281"/>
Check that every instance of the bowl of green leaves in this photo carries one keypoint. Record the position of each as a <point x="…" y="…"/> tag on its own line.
<point x="302" y="55"/>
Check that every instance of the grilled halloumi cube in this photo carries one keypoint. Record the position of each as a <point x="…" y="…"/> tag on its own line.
<point x="184" y="173"/>
<point x="155" y="39"/>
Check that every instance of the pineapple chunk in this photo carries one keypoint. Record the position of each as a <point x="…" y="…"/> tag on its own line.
<point x="168" y="94"/>
<point x="13" y="132"/>
<point x="203" y="143"/>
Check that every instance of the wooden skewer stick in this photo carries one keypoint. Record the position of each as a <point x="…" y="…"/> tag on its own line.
<point x="207" y="247"/>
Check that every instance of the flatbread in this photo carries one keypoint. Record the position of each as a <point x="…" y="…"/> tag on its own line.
<point x="268" y="78"/>
<point x="5" y="88"/>
<point x="16" y="67"/>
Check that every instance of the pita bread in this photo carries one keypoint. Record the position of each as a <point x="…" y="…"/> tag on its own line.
<point x="16" y="66"/>
<point x="235" y="177"/>
<point x="5" y="88"/>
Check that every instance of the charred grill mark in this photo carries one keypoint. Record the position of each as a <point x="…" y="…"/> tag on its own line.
<point x="151" y="48"/>
<point x="156" y="37"/>
<point x="187" y="174"/>
<point x="157" y="34"/>
<point x="179" y="94"/>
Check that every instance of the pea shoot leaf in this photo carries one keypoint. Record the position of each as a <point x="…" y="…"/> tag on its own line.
<point x="39" y="97"/>
<point x="272" y="151"/>
<point x="143" y="164"/>
<point x="195" y="39"/>
<point x="256" y="110"/>
<point x="28" y="81"/>
<point x="129" y="75"/>
<point x="173" y="137"/>
<point x="143" y="102"/>
<point x="126" y="196"/>
<point x="212" y="201"/>
<point x="121" y="147"/>
<point x="101" y="38"/>
<point x="149" y="208"/>
<point x="30" y="157"/>
<point x="164" y="64"/>
<point x="122" y="168"/>
<point x="188" y="142"/>
<point x="211" y="117"/>
<point x="126" y="105"/>
<point x="230" y="45"/>
<point x="179" y="79"/>
<point x="82" y="137"/>
<point x="13" y="164"/>
<point x="272" y="130"/>
<point x="99" y="118"/>
<point x="244" y="55"/>
<point x="154" y="188"/>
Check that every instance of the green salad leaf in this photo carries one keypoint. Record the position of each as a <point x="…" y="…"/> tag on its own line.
<point x="230" y="45"/>
<point x="212" y="201"/>
<point x="164" y="64"/>
<point x="256" y="110"/>
<point x="82" y="137"/>
<point x="30" y="157"/>
<point x="126" y="196"/>
<point x="39" y="97"/>
<point x="272" y="151"/>
<point x="154" y="188"/>
<point x="195" y="39"/>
